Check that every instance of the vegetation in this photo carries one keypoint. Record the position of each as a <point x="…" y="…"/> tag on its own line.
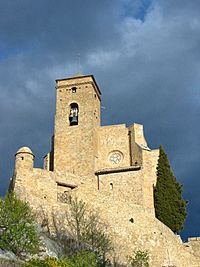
<point x="82" y="231"/>
<point x="170" y="207"/>
<point x="87" y="229"/>
<point x="86" y="241"/>
<point x="139" y="259"/>
<point x="10" y="263"/>
<point x="83" y="259"/>
<point x="17" y="227"/>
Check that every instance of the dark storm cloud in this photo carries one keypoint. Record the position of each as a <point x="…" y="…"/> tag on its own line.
<point x="144" y="54"/>
<point x="57" y="28"/>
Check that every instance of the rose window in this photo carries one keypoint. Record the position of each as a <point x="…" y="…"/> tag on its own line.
<point x="115" y="157"/>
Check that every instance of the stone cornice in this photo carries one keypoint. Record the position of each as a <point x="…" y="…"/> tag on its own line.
<point x="120" y="169"/>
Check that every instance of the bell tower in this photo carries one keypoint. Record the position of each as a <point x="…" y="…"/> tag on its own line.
<point x="77" y="122"/>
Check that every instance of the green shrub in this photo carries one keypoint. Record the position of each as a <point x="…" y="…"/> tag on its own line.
<point x="17" y="227"/>
<point x="83" y="259"/>
<point x="48" y="262"/>
<point x="80" y="259"/>
<point x="139" y="259"/>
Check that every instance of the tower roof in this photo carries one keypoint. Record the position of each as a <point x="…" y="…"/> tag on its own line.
<point x="24" y="149"/>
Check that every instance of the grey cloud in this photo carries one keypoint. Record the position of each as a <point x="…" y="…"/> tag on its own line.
<point x="56" y="27"/>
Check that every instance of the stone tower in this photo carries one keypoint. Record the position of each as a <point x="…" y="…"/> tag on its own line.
<point x="77" y="121"/>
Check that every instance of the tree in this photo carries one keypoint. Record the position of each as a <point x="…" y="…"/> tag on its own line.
<point x="82" y="231"/>
<point x="17" y="226"/>
<point x="170" y="207"/>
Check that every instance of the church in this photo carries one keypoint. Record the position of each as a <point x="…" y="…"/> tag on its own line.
<point x="111" y="168"/>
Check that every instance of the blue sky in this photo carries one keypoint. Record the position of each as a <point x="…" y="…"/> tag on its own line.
<point x="145" y="56"/>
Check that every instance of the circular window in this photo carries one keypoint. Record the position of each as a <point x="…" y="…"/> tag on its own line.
<point x="115" y="157"/>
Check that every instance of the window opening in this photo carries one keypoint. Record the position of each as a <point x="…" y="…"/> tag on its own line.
<point x="73" y="116"/>
<point x="73" y="89"/>
<point x="111" y="186"/>
<point x="131" y="220"/>
<point x="64" y="193"/>
<point x="22" y="158"/>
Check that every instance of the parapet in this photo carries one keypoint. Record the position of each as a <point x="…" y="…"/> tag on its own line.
<point x="194" y="244"/>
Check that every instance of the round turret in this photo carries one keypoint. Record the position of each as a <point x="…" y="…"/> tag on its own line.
<point x="24" y="159"/>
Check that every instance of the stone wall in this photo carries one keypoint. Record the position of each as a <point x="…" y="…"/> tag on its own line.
<point x="113" y="138"/>
<point x="126" y="185"/>
<point x="194" y="245"/>
<point x="130" y="225"/>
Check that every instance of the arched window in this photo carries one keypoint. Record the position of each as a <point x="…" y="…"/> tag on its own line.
<point x="73" y="116"/>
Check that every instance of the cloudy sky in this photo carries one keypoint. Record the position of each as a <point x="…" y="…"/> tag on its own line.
<point x="145" y="56"/>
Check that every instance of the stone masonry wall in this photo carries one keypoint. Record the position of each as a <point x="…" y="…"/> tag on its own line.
<point x="126" y="185"/>
<point x="150" y="159"/>
<point x="113" y="138"/>
<point x="40" y="188"/>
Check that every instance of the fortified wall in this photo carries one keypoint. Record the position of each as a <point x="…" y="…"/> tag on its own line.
<point x="109" y="167"/>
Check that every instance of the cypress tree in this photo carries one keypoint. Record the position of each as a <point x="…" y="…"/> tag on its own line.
<point x="170" y="207"/>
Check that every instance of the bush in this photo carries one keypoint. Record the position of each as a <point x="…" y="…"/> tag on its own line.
<point x="17" y="227"/>
<point x="83" y="259"/>
<point x="139" y="259"/>
<point x="48" y="262"/>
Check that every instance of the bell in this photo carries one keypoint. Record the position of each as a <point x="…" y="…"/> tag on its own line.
<point x="74" y="120"/>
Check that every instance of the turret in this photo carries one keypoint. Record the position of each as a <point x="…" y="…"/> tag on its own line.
<point x="24" y="160"/>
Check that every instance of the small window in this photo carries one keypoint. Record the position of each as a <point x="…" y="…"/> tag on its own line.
<point x="73" y="89"/>
<point x="111" y="186"/>
<point x="131" y="220"/>
<point x="22" y="158"/>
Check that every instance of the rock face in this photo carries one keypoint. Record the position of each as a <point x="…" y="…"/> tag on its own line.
<point x="8" y="259"/>
<point x="48" y="248"/>
<point x="109" y="167"/>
